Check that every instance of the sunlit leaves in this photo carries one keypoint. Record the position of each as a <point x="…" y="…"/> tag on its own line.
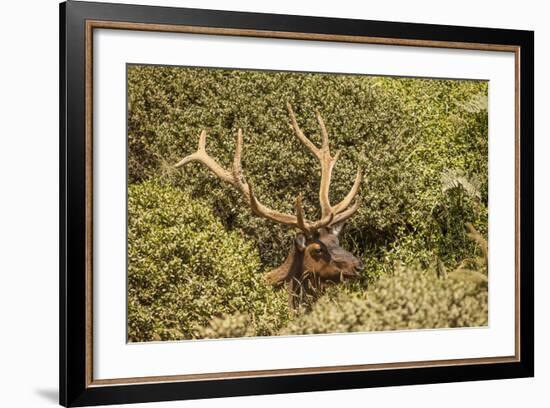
<point x="184" y="269"/>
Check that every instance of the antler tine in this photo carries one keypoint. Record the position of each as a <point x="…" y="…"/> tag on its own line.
<point x="202" y="141"/>
<point x="324" y="133"/>
<point x="237" y="166"/>
<point x="327" y="164"/>
<point x="344" y="215"/>
<point x="300" y="135"/>
<point x="342" y="205"/>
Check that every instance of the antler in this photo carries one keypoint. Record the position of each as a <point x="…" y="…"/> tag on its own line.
<point x="236" y="179"/>
<point x="341" y="211"/>
<point x="329" y="214"/>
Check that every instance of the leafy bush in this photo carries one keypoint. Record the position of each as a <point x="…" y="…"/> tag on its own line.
<point x="236" y="325"/>
<point x="410" y="299"/>
<point x="196" y="253"/>
<point x="406" y="133"/>
<point x="185" y="269"/>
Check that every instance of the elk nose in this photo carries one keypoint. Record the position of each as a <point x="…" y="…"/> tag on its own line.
<point x="359" y="266"/>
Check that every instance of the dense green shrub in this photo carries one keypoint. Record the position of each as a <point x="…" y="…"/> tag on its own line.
<point x="227" y="326"/>
<point x="410" y="299"/>
<point x="196" y="253"/>
<point x="185" y="269"/>
<point x="406" y="133"/>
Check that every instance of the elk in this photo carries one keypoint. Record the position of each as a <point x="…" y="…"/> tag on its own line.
<point x="316" y="256"/>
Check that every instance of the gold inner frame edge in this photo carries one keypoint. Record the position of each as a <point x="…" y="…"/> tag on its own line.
<point x="93" y="24"/>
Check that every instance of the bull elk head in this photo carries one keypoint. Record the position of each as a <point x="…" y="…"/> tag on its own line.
<point x="316" y="255"/>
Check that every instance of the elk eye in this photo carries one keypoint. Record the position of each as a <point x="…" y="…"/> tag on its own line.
<point x="318" y="251"/>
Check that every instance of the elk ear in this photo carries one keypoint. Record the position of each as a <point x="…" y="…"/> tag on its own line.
<point x="300" y="242"/>
<point x="336" y="228"/>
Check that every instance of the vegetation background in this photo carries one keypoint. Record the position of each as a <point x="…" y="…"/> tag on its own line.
<point x="196" y="254"/>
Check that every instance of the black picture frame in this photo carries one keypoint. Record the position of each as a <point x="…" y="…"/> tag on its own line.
<point x="76" y="388"/>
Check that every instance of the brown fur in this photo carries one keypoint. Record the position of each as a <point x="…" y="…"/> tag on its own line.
<point x="312" y="261"/>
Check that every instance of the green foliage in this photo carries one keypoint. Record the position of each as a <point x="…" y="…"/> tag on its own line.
<point x="404" y="132"/>
<point x="474" y="269"/>
<point x="237" y="325"/>
<point x="184" y="269"/>
<point x="409" y="299"/>
<point x="196" y="252"/>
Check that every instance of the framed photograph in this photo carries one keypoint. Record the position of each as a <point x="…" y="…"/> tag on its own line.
<point x="256" y="204"/>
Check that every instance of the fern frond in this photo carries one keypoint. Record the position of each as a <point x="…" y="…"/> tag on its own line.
<point x="453" y="179"/>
